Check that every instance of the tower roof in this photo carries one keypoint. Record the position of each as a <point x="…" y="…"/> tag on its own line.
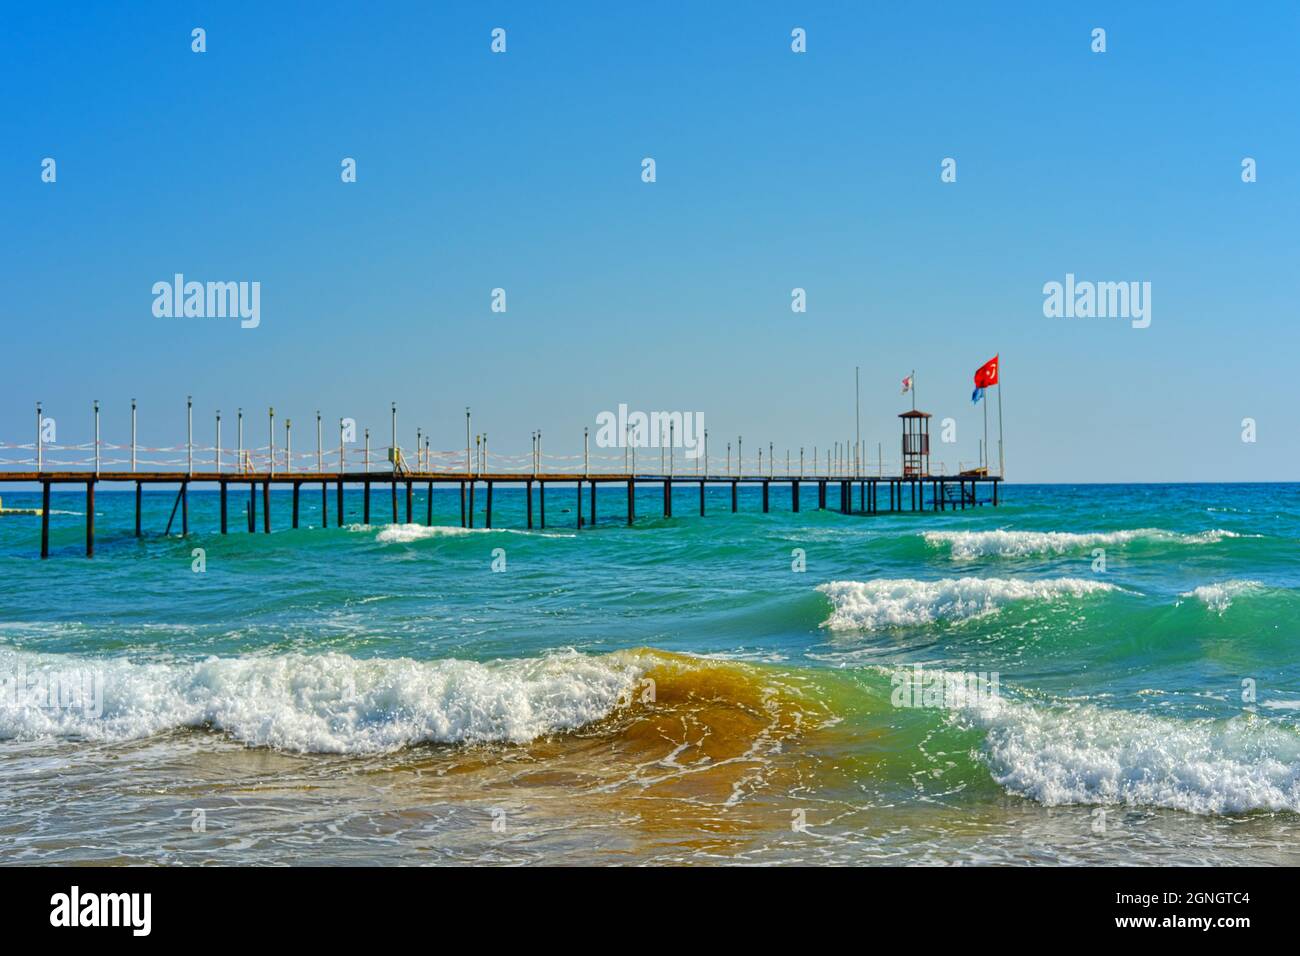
<point x="914" y="414"/>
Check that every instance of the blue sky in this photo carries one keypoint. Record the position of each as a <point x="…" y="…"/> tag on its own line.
<point x="775" y="170"/>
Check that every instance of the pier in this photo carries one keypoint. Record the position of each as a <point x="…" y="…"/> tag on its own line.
<point x="840" y="479"/>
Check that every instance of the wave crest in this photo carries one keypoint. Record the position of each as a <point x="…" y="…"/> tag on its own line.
<point x="1004" y="543"/>
<point x="1218" y="596"/>
<point x="1089" y="755"/>
<point x="406" y="533"/>
<point x="328" y="703"/>
<point x="904" y="602"/>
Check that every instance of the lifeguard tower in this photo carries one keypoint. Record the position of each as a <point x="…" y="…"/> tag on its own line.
<point x="916" y="443"/>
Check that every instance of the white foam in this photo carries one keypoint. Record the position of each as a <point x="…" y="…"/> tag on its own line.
<point x="405" y="533"/>
<point x="321" y="702"/>
<point x="1218" y="596"/>
<point x="902" y="602"/>
<point x="1086" y="754"/>
<point x="1004" y="543"/>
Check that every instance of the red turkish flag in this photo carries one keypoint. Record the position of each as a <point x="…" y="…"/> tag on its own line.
<point x="987" y="374"/>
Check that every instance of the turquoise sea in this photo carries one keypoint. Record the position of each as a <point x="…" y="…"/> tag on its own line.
<point x="1084" y="675"/>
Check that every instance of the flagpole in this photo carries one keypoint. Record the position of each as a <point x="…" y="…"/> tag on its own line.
<point x="913" y="389"/>
<point x="986" y="435"/>
<point x="1001" y="466"/>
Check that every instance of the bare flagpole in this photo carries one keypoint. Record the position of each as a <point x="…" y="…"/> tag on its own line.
<point x="857" y="422"/>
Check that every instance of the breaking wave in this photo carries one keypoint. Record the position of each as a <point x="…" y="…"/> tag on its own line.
<point x="1218" y="596"/>
<point x="905" y="602"/>
<point x="1090" y="755"/>
<point x="1003" y="543"/>
<point x="329" y="703"/>
<point x="693" y="709"/>
<point x="405" y="533"/>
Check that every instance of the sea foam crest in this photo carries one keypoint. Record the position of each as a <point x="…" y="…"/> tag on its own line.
<point x="1090" y="755"/>
<point x="406" y="533"/>
<point x="329" y="703"/>
<point x="903" y="602"/>
<point x="1218" y="596"/>
<point x="1004" y="543"/>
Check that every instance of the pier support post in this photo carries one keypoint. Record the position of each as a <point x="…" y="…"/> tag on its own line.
<point x="223" y="507"/>
<point x="579" y="507"/>
<point x="631" y="502"/>
<point x="339" y="502"/>
<point x="138" y="493"/>
<point x="593" y="504"/>
<point x="541" y="503"/>
<point x="90" y="518"/>
<point x="266" y="507"/>
<point x="428" y="506"/>
<point x="794" y="496"/>
<point x="471" y="504"/>
<point x="394" y="501"/>
<point x="462" y="504"/>
<point x="252" y="507"/>
<point x="995" y="494"/>
<point x="488" y="523"/>
<point x="45" y="519"/>
<point x="701" y="499"/>
<point x="408" y="500"/>
<point x="176" y="506"/>
<point x="365" y="503"/>
<point x="733" y="498"/>
<point x="668" y="498"/>
<point x="846" y="497"/>
<point x="185" y="509"/>
<point x="528" y="488"/>
<point x="765" y="502"/>
<point x="325" y="504"/>
<point x="821" y="496"/>
<point x="297" y="491"/>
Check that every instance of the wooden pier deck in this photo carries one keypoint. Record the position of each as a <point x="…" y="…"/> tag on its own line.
<point x="857" y="495"/>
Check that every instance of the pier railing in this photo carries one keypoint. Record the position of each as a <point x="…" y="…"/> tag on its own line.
<point x="183" y="459"/>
